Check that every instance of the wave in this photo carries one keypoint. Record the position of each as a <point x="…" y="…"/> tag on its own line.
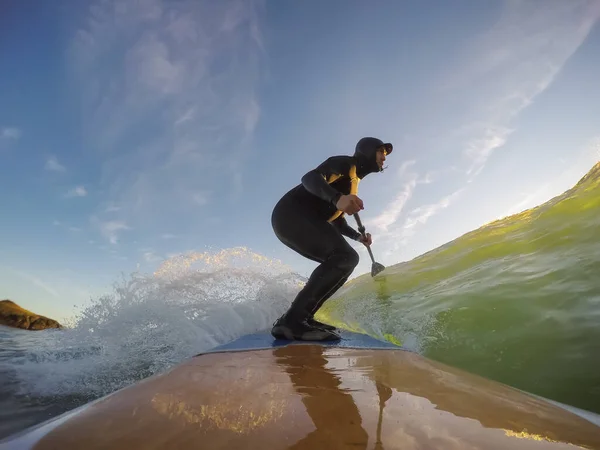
<point x="193" y="302"/>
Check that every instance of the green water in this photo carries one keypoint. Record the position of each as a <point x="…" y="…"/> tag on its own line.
<point x="517" y="300"/>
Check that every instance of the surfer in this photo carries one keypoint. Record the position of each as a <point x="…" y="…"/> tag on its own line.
<point x="309" y="219"/>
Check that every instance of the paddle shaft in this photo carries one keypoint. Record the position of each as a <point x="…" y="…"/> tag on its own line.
<point x="361" y="229"/>
<point x="376" y="267"/>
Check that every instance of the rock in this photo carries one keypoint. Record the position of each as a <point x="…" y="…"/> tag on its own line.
<point x="13" y="315"/>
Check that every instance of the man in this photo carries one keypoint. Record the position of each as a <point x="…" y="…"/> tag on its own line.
<point x="309" y="219"/>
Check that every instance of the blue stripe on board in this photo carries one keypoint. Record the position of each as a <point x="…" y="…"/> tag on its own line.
<point x="263" y="340"/>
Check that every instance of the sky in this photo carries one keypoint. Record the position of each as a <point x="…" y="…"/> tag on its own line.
<point x="135" y="130"/>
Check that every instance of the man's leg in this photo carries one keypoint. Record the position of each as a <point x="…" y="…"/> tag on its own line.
<point x="318" y="305"/>
<point x="324" y="280"/>
<point x="320" y="241"/>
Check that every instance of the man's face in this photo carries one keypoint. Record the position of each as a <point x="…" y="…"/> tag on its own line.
<point x="380" y="157"/>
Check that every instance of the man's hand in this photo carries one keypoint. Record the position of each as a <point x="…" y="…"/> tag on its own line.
<point x="349" y="204"/>
<point x="365" y="239"/>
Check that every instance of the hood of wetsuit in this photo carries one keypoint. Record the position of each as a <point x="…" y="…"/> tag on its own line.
<point x="365" y="154"/>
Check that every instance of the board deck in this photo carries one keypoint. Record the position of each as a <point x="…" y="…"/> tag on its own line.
<point x="264" y="340"/>
<point x="259" y="393"/>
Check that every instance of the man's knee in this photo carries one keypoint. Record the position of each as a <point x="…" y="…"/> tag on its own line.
<point x="348" y="260"/>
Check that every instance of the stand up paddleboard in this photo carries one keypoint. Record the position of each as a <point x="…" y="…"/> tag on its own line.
<point x="356" y="393"/>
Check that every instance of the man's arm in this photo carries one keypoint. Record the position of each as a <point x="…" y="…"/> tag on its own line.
<point x="316" y="183"/>
<point x="341" y="224"/>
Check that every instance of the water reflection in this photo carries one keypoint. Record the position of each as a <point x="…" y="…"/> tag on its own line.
<point x="383" y="292"/>
<point x="337" y="420"/>
<point x="421" y="386"/>
<point x="385" y="393"/>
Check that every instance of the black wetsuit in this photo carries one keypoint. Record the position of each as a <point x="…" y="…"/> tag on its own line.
<point x="307" y="220"/>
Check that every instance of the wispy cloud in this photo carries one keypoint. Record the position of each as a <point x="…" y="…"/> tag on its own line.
<point x="53" y="165"/>
<point x="10" y="133"/>
<point x="112" y="208"/>
<point x="170" y="87"/>
<point x="419" y="216"/>
<point x="400" y="235"/>
<point x="498" y="75"/>
<point x="110" y="229"/>
<point x="394" y="225"/>
<point x="405" y="166"/>
<point x="150" y="255"/>
<point x="200" y="198"/>
<point x="78" y="191"/>
<point x="509" y="65"/>
<point x="38" y="282"/>
<point x="168" y="236"/>
<point x="75" y="229"/>
<point x="186" y="116"/>
<point x="390" y="215"/>
<point x="479" y="149"/>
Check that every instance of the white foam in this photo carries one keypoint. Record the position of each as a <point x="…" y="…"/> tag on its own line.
<point x="150" y="322"/>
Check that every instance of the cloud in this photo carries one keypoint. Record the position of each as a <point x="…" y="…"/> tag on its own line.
<point x="508" y="66"/>
<point x="388" y="224"/>
<point x="200" y="198"/>
<point x="10" y="133"/>
<point x="420" y="216"/>
<point x="388" y="220"/>
<point x="150" y="255"/>
<point x="78" y="191"/>
<point x="391" y="213"/>
<point x="186" y="116"/>
<point x="402" y="234"/>
<point x="169" y="88"/>
<point x="38" y="282"/>
<point x="112" y="208"/>
<point x="168" y="236"/>
<point x="405" y="166"/>
<point x="497" y="75"/>
<point x="53" y="165"/>
<point x="110" y="229"/>
<point x="57" y="223"/>
<point x="479" y="149"/>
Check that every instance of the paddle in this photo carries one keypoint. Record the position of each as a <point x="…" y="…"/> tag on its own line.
<point x="376" y="267"/>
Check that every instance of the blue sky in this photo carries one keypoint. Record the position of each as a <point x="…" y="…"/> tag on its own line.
<point x="131" y="131"/>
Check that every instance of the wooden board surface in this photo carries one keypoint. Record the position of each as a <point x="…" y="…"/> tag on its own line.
<point x="315" y="397"/>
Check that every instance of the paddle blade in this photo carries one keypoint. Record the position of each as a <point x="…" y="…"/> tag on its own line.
<point x="377" y="268"/>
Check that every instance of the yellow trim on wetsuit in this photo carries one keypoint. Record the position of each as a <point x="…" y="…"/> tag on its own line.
<point x="353" y="188"/>
<point x="333" y="177"/>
